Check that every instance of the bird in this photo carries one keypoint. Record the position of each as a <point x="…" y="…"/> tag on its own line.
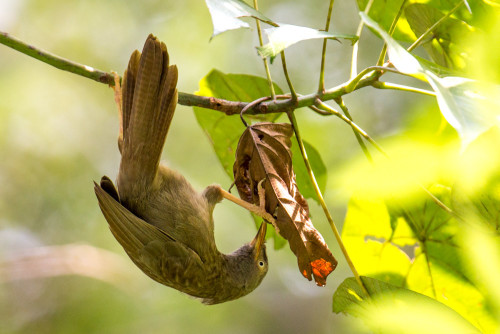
<point x="164" y="225"/>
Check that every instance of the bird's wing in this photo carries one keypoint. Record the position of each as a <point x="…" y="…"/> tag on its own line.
<point x="154" y="251"/>
<point x="173" y="264"/>
<point x="131" y="232"/>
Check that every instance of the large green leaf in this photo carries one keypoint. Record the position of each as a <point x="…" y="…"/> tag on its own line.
<point x="224" y="131"/>
<point x="472" y="11"/>
<point x="226" y="13"/>
<point x="469" y="106"/>
<point x="383" y="12"/>
<point x="442" y="46"/>
<point x="369" y="238"/>
<point x="414" y="247"/>
<point x="399" y="57"/>
<point x="391" y="309"/>
<point x="286" y="34"/>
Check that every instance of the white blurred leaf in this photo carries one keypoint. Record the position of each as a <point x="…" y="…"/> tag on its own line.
<point x="399" y="57"/>
<point x="226" y="13"/>
<point x="286" y="34"/>
<point x="465" y="106"/>
<point x="469" y="106"/>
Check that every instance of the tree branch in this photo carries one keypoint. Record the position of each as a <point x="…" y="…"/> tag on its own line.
<point x="56" y="61"/>
<point x="186" y="99"/>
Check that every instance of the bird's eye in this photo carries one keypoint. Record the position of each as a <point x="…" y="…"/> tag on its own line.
<point x="261" y="263"/>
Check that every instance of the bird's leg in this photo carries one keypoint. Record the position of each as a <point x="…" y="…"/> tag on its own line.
<point x="262" y="195"/>
<point x="258" y="210"/>
<point x="118" y="100"/>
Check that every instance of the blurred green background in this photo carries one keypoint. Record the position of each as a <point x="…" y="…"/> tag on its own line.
<point x="61" y="271"/>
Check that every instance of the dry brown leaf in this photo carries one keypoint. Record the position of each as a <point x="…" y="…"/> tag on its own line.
<point x="264" y="153"/>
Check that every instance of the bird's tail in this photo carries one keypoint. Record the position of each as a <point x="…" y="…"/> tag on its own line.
<point x="149" y="97"/>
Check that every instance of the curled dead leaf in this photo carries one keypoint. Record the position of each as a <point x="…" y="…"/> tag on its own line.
<point x="264" y="153"/>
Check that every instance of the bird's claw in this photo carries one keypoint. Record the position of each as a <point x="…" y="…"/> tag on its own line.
<point x="118" y="100"/>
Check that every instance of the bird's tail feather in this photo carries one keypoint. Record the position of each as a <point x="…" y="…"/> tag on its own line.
<point x="149" y="101"/>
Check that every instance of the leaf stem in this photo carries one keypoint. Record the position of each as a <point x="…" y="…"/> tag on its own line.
<point x="261" y="43"/>
<point x="394" y="23"/>
<point x="361" y="143"/>
<point x="434" y="26"/>
<point x="355" y="127"/>
<point x="352" y="84"/>
<point x="355" y="49"/>
<point x="335" y="231"/>
<point x="289" y="82"/>
<point x="321" y="87"/>
<point x="388" y="85"/>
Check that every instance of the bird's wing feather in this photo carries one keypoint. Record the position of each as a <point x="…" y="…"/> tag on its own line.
<point x="155" y="252"/>
<point x="132" y="232"/>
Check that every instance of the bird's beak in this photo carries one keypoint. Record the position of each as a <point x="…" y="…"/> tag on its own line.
<point x="259" y="240"/>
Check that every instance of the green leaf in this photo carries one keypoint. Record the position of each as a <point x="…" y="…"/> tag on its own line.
<point x="226" y="13"/>
<point x="419" y="250"/>
<point x="368" y="236"/>
<point x="442" y="45"/>
<point x="224" y="131"/>
<point x="319" y="169"/>
<point x="465" y="105"/>
<point x="439" y="70"/>
<point x="286" y="34"/>
<point x="383" y="12"/>
<point x="400" y="58"/>
<point x="391" y="309"/>
<point x="472" y="12"/>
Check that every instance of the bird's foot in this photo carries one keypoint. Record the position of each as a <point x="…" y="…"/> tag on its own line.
<point x="118" y="100"/>
<point x="259" y="210"/>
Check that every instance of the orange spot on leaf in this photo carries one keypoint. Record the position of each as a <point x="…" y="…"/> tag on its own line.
<point x="321" y="269"/>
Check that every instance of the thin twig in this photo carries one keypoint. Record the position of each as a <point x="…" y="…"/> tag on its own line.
<point x="261" y="43"/>
<point x="434" y="26"/>
<point x="250" y="105"/>
<point x="355" y="49"/>
<point x="186" y="99"/>
<point x="321" y="87"/>
<point x="393" y="86"/>
<point x="335" y="231"/>
<point x="355" y="127"/>
<point x="289" y="82"/>
<point x="56" y="61"/>
<point x="377" y="72"/>
<point x="361" y="143"/>
<point x="381" y="58"/>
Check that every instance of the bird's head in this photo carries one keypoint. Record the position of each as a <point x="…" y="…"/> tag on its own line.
<point x="245" y="269"/>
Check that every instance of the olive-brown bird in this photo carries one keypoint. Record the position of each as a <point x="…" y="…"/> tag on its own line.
<point x="164" y="225"/>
